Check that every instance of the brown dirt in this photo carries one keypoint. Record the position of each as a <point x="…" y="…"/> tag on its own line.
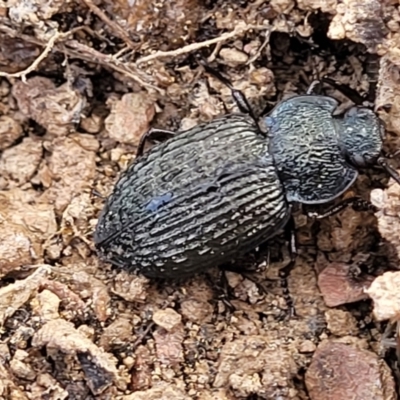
<point x="80" y="82"/>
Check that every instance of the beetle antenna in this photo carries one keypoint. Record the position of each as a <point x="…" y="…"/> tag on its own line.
<point x="391" y="171"/>
<point x="239" y="97"/>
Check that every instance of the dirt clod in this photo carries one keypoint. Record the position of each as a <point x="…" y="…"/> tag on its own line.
<point x="99" y="367"/>
<point x="167" y="319"/>
<point x="130" y="118"/>
<point x="385" y="294"/>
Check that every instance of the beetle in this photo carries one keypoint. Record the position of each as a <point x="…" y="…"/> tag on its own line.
<point x="218" y="190"/>
<point x="196" y="200"/>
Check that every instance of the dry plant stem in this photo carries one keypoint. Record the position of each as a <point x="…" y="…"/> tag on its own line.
<point x="143" y="335"/>
<point x="215" y="52"/>
<point x="91" y="55"/>
<point x="77" y="50"/>
<point x="35" y="64"/>
<point x="118" y="30"/>
<point x="261" y="48"/>
<point x="239" y="30"/>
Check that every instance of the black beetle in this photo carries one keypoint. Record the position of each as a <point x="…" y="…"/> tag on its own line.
<point x="222" y="188"/>
<point x="199" y="199"/>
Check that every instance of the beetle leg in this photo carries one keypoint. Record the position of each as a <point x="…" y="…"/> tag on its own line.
<point x="97" y="194"/>
<point x="391" y="171"/>
<point x="239" y="97"/>
<point x="222" y="290"/>
<point x="352" y="94"/>
<point x="357" y="203"/>
<point x="152" y="134"/>
<point x="389" y="156"/>
<point x="284" y="272"/>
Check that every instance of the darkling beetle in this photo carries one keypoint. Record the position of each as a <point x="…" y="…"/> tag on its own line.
<point x="222" y="188"/>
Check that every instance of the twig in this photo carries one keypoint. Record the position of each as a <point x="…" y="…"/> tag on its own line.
<point x="143" y="335"/>
<point x="77" y="50"/>
<point x="116" y="28"/>
<point x="14" y="34"/>
<point x="261" y="48"/>
<point x="215" y="52"/>
<point x="91" y="55"/>
<point x="49" y="47"/>
<point x="239" y="30"/>
<point x="119" y="53"/>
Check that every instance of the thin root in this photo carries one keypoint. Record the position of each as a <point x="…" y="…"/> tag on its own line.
<point x="239" y="30"/>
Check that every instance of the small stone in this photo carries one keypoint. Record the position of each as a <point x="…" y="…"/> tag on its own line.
<point x="163" y="391"/>
<point x="282" y="6"/>
<point x="10" y="131"/>
<point x="196" y="310"/>
<point x="167" y="319"/>
<point x="340" y="323"/>
<point x="131" y="287"/>
<point x="338" y="287"/>
<point x="20" y="162"/>
<point x="130" y="118"/>
<point x="307" y="347"/>
<point x="339" y="371"/>
<point x="20" y="367"/>
<point x="92" y="124"/>
<point x="47" y="305"/>
<point x="118" y="332"/>
<point x="233" y="57"/>
<point x="128" y="362"/>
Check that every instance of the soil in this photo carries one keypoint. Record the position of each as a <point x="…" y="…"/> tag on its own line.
<point x="80" y="83"/>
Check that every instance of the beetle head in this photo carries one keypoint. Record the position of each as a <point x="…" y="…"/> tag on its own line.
<point x="361" y="136"/>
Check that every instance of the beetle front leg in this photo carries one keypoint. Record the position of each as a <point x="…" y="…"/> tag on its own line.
<point x="357" y="203"/>
<point x="290" y="233"/>
<point x="390" y="170"/>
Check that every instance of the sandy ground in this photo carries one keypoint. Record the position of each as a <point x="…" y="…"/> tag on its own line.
<point x="80" y="82"/>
